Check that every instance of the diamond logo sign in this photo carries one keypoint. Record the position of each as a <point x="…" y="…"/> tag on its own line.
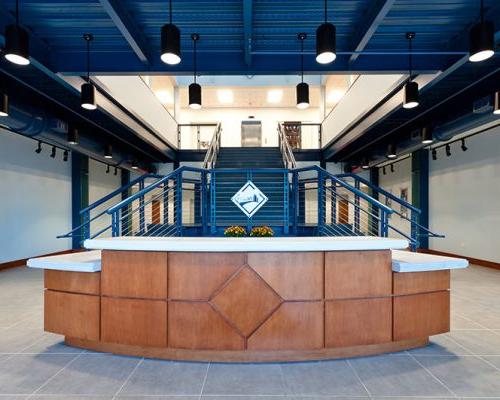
<point x="249" y="199"/>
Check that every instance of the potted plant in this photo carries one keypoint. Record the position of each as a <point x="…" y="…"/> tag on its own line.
<point x="235" y="231"/>
<point x="261" y="231"/>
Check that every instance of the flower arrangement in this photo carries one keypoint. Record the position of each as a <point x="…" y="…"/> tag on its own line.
<point x="235" y="231"/>
<point x="262" y="231"/>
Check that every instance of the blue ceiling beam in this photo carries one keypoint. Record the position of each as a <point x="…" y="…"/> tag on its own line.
<point x="247" y="30"/>
<point x="128" y="28"/>
<point x="369" y="24"/>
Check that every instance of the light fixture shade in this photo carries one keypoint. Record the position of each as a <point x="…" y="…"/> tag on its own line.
<point x="391" y="152"/>
<point x="302" y="95"/>
<point x="4" y="105"/>
<point x="427" y="135"/>
<point x="134" y="164"/>
<point x="73" y="137"/>
<point x="17" y="47"/>
<point x="496" y="103"/>
<point x="88" y="96"/>
<point x="481" y="41"/>
<point x="108" y="151"/>
<point x="326" y="43"/>
<point x="365" y="164"/>
<point x="170" y="44"/>
<point x="195" y="96"/>
<point x="411" y="95"/>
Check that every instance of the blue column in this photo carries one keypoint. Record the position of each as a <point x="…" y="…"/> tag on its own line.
<point x="420" y="190"/>
<point x="79" y="196"/>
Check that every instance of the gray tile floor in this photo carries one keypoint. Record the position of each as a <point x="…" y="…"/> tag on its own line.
<point x="464" y="363"/>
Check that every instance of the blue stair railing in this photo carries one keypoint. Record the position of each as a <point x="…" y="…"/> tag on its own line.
<point x="95" y="217"/>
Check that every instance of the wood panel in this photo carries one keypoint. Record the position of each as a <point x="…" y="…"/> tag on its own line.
<point x="420" y="282"/>
<point x="76" y="282"/>
<point x="135" y="322"/>
<point x="358" y="322"/>
<point x="351" y="274"/>
<point x="246" y="301"/>
<point x="294" y="276"/>
<point x="421" y="315"/>
<point x="247" y="355"/>
<point x="196" y="325"/>
<point x="196" y="276"/>
<point x="293" y="326"/>
<point x="75" y="315"/>
<point x="137" y="274"/>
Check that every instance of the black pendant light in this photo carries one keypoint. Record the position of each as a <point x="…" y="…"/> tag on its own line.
<point x="73" y="137"/>
<point x="481" y="39"/>
<point x="134" y="164"/>
<point x="496" y="103"/>
<point x="17" y="42"/>
<point x="194" y="88"/>
<point x="302" y="87"/>
<point x="326" y="41"/>
<point x="365" y="164"/>
<point x="427" y="135"/>
<point x="411" y="88"/>
<point x="108" y="151"/>
<point x="170" y="42"/>
<point x="4" y="104"/>
<point x="391" y="152"/>
<point x="87" y="94"/>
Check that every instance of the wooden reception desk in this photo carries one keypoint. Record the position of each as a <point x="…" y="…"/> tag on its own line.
<point x="277" y="299"/>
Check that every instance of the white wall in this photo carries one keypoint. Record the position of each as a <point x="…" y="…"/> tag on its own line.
<point x="231" y="119"/>
<point x="464" y="192"/>
<point x="35" y="199"/>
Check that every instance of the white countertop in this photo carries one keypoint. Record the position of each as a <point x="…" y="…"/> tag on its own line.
<point x="405" y="261"/>
<point x="85" y="261"/>
<point x="222" y="244"/>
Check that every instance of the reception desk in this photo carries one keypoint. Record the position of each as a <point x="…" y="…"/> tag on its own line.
<point x="249" y="299"/>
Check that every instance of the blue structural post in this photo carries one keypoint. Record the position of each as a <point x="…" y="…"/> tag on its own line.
<point x="356" y="208"/>
<point x="79" y="196"/>
<point x="420" y="193"/>
<point x="286" y="207"/>
<point x="373" y="221"/>
<point x="178" y="205"/>
<point x="126" y="221"/>
<point x="142" y="211"/>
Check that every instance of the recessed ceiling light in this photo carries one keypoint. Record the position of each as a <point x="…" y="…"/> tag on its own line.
<point x="274" y="96"/>
<point x="225" y="96"/>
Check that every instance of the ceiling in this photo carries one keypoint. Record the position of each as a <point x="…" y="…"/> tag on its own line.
<point x="246" y="36"/>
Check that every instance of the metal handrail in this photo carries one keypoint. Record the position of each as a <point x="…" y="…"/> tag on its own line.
<point x="213" y="148"/>
<point x="286" y="150"/>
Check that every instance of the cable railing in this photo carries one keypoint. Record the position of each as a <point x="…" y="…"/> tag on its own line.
<point x="213" y="148"/>
<point x="286" y="150"/>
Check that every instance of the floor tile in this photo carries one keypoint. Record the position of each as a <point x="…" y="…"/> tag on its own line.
<point x="322" y="378"/>
<point x="465" y="376"/>
<point x="156" y="377"/>
<point x="51" y="344"/>
<point x="23" y="374"/>
<point x="478" y="342"/>
<point x="174" y="397"/>
<point x="441" y="345"/>
<point x="92" y="375"/>
<point x="495" y="360"/>
<point x="459" y="322"/>
<point x="397" y="376"/>
<point x="66" y="397"/>
<point x="244" y="379"/>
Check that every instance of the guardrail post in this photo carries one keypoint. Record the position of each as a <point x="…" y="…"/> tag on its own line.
<point x="142" y="214"/>
<point x="295" y="202"/>
<point x="286" y="203"/>
<point x="178" y="205"/>
<point x="204" y="198"/>
<point x="165" y="203"/>
<point x="86" y="227"/>
<point x="334" y="202"/>
<point x="213" y="196"/>
<point x="384" y="229"/>
<point x="321" y="211"/>
<point x="115" y="224"/>
<point x="356" y="210"/>
<point x="414" y="230"/>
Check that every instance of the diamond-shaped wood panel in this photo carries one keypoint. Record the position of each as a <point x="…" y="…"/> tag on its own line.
<point x="246" y="301"/>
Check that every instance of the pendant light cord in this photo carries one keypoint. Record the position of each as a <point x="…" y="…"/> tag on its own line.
<point x="17" y="12"/>
<point x="410" y="55"/>
<point x="88" y="60"/>
<point x="326" y="12"/>
<point x="482" y="11"/>
<point x="302" y="59"/>
<point x="170" y="7"/>
<point x="194" y="56"/>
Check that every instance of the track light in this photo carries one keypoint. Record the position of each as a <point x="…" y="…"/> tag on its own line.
<point x="116" y="171"/>
<point x="434" y="154"/>
<point x="108" y="151"/>
<point x="73" y="137"/>
<point x="326" y="41"/>
<point x="194" y="88"/>
<point x="134" y="164"/>
<point x="481" y="39"/>
<point x="448" y="150"/>
<point x="302" y="90"/>
<point x="391" y="152"/>
<point x="496" y="103"/>
<point x="411" y="88"/>
<point x="427" y="135"/>
<point x="365" y="164"/>
<point x="392" y="167"/>
<point x="463" y="146"/>
<point x="39" y="148"/>
<point x="4" y="104"/>
<point x="88" y="91"/>
<point x="53" y="152"/>
<point x="65" y="155"/>
<point x="107" y="168"/>
<point x="170" y="42"/>
<point x="383" y="170"/>
<point x="17" y="46"/>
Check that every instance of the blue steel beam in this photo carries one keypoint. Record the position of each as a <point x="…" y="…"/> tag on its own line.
<point x="369" y="24"/>
<point x="128" y="28"/>
<point x="247" y="30"/>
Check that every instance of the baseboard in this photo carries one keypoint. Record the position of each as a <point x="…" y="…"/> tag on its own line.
<point x="477" y="261"/>
<point x="22" y="262"/>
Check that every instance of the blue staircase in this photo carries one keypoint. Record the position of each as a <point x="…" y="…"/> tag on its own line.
<point x="249" y="157"/>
